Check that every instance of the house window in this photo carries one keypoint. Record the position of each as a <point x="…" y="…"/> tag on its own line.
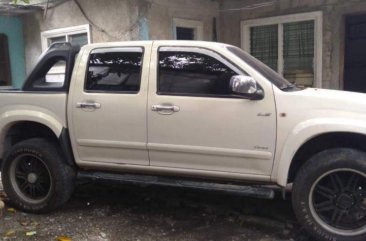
<point x="291" y="45"/>
<point x="187" y="29"/>
<point x="185" y="33"/>
<point x="264" y="44"/>
<point x="79" y="35"/>
<point x="5" y="74"/>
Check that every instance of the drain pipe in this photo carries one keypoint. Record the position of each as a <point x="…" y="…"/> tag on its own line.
<point x="45" y="10"/>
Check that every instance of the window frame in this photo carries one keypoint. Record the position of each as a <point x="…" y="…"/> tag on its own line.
<point x="60" y="32"/>
<point x="317" y="17"/>
<point x="187" y="23"/>
<point x="201" y="50"/>
<point x="105" y="49"/>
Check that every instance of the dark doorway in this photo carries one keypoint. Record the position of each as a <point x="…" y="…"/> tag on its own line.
<point x="5" y="76"/>
<point x="185" y="33"/>
<point x="355" y="54"/>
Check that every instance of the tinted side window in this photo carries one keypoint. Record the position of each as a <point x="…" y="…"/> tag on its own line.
<point x="115" y="71"/>
<point x="189" y="73"/>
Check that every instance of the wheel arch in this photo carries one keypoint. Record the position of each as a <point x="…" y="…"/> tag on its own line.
<point x="323" y="142"/>
<point x="18" y="126"/>
<point x="307" y="139"/>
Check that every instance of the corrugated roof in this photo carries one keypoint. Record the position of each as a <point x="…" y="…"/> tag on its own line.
<point x="7" y="7"/>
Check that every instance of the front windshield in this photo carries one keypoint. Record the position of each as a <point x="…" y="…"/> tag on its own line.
<point x="266" y="71"/>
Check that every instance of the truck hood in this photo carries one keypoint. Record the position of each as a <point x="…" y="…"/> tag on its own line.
<point x="326" y="100"/>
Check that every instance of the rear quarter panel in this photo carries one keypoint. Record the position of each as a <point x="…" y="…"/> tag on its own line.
<point x="48" y="109"/>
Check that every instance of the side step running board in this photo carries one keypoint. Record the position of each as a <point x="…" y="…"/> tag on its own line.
<point x="248" y="191"/>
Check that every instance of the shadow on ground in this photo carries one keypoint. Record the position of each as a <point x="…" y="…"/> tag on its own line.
<point x="105" y="211"/>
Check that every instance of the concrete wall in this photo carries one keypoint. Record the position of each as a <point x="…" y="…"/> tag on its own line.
<point x="12" y="27"/>
<point x="112" y="21"/>
<point x="117" y="20"/>
<point x="162" y="13"/>
<point x="334" y="12"/>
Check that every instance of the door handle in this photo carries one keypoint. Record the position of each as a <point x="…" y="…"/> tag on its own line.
<point x="88" y="105"/>
<point x="165" y="109"/>
<point x="264" y="114"/>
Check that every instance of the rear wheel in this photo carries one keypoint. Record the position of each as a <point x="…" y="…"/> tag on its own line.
<point x="35" y="178"/>
<point x="329" y="195"/>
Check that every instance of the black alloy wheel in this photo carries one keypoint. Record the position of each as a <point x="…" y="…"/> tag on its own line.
<point x="338" y="200"/>
<point x="30" y="178"/>
<point x="36" y="177"/>
<point x="329" y="195"/>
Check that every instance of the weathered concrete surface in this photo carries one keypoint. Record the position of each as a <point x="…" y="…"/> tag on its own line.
<point x="115" y="212"/>
<point x="162" y="13"/>
<point x="114" y="18"/>
<point x="334" y="12"/>
<point x="117" y="20"/>
<point x="145" y="19"/>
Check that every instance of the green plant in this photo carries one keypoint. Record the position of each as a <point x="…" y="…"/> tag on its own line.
<point x="24" y="1"/>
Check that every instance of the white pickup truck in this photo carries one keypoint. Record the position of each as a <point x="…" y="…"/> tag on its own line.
<point x="189" y="114"/>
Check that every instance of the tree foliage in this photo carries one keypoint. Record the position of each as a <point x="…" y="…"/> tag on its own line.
<point x="24" y="1"/>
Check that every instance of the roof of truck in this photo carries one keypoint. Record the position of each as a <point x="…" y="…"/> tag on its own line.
<point x="159" y="42"/>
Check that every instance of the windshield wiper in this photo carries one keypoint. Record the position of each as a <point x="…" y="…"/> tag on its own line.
<point x="289" y="87"/>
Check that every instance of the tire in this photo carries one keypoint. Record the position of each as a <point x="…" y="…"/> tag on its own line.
<point x="329" y="195"/>
<point x="35" y="178"/>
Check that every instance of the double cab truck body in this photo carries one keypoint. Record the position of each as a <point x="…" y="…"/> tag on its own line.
<point x="206" y="114"/>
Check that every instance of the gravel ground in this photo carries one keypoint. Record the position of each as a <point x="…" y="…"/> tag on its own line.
<point x="105" y="211"/>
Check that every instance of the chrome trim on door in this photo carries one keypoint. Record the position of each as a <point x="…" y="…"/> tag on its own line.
<point x="165" y="109"/>
<point x="88" y="105"/>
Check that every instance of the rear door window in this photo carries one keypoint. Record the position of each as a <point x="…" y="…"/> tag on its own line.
<point x="115" y="70"/>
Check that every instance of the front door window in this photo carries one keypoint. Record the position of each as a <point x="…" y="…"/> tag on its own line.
<point x="192" y="73"/>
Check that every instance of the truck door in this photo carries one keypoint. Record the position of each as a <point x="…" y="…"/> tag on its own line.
<point x="107" y="106"/>
<point x="196" y="124"/>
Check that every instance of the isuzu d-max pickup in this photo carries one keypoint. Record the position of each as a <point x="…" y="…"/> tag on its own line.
<point x="188" y="114"/>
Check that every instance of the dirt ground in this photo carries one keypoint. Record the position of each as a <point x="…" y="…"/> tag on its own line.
<point x="105" y="211"/>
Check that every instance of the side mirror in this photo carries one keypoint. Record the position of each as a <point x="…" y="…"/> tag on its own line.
<point x="246" y="86"/>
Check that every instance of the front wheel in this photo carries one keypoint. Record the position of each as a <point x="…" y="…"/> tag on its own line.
<point x="329" y="195"/>
<point x="35" y="178"/>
